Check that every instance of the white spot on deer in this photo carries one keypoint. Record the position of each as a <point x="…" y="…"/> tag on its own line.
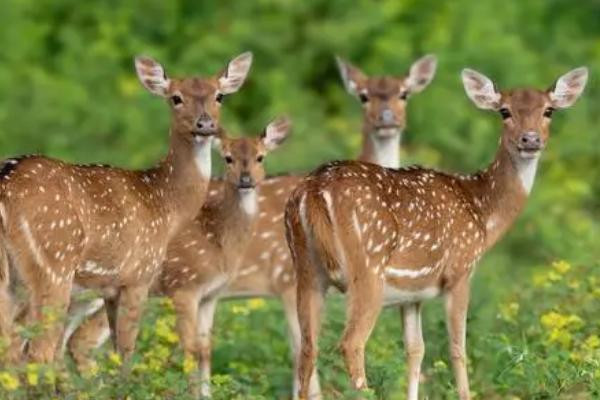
<point x="33" y="246"/>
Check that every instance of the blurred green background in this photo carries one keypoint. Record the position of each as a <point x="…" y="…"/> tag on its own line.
<point x="68" y="90"/>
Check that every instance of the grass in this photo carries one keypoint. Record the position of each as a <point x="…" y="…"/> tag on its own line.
<point x="532" y="338"/>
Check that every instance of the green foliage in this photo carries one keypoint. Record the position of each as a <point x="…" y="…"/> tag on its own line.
<point x="68" y="90"/>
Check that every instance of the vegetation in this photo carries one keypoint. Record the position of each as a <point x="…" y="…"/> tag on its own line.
<point x="68" y="90"/>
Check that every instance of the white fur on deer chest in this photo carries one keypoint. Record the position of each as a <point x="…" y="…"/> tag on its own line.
<point x="526" y="169"/>
<point x="387" y="150"/>
<point x="202" y="157"/>
<point x="248" y="201"/>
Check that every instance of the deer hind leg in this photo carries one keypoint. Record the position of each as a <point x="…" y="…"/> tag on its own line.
<point x="206" y="314"/>
<point x="291" y="312"/>
<point x="131" y="305"/>
<point x="9" y="352"/>
<point x="91" y="334"/>
<point x="363" y="307"/>
<point x="310" y="293"/>
<point x="414" y="346"/>
<point x="457" y="304"/>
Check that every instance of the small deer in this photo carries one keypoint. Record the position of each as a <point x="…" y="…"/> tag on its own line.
<point x="105" y="227"/>
<point x="266" y="268"/>
<point x="402" y="236"/>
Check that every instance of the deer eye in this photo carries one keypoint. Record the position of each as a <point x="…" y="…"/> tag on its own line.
<point x="505" y="113"/>
<point x="404" y="95"/>
<point x="363" y="97"/>
<point x="548" y="112"/>
<point x="176" y="100"/>
<point x="220" y="97"/>
<point x="228" y="159"/>
<point x="260" y="158"/>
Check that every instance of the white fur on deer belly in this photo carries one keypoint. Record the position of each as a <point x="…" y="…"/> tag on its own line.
<point x="393" y="295"/>
<point x="214" y="287"/>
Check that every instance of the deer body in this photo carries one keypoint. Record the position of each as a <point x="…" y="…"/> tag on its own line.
<point x="105" y="227"/>
<point x="387" y="236"/>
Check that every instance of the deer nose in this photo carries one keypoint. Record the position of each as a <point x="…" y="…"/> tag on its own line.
<point x="530" y="140"/>
<point x="246" y="181"/>
<point x="386" y="116"/>
<point x="206" y="125"/>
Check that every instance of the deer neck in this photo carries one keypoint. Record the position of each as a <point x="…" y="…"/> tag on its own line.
<point x="182" y="177"/>
<point x="381" y="149"/>
<point x="501" y="190"/>
<point x="237" y="212"/>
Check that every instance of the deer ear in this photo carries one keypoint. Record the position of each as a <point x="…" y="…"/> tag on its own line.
<point x="352" y="77"/>
<point x="233" y="77"/>
<point x="481" y="90"/>
<point x="152" y="75"/>
<point x="568" y="88"/>
<point x="276" y="132"/>
<point x="421" y="73"/>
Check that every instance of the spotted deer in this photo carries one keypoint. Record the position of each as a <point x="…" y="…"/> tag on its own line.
<point x="66" y="225"/>
<point x="402" y="236"/>
<point x="266" y="268"/>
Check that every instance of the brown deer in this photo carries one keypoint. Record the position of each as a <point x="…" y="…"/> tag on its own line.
<point x="266" y="268"/>
<point x="206" y="256"/>
<point x="105" y="227"/>
<point x="402" y="236"/>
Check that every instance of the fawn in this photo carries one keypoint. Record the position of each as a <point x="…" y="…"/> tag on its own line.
<point x="105" y="227"/>
<point x="402" y="236"/>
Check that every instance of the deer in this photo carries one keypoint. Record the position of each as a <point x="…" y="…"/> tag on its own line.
<point x="266" y="268"/>
<point x="388" y="236"/>
<point x="66" y="226"/>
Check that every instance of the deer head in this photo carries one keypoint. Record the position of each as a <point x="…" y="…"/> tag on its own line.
<point x="384" y="98"/>
<point x="526" y="113"/>
<point x="244" y="156"/>
<point x="195" y="102"/>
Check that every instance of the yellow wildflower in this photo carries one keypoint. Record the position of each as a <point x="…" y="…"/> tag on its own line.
<point x="189" y="365"/>
<point x="8" y="381"/>
<point x="439" y="365"/>
<point x="592" y="342"/>
<point x="554" y="320"/>
<point x="115" y="358"/>
<point x="165" y="331"/>
<point x="540" y="279"/>
<point x="90" y="370"/>
<point x="553" y="276"/>
<point x="562" y="337"/>
<point x="256" y="304"/>
<point x="562" y="267"/>
<point x="236" y="309"/>
<point x="33" y="374"/>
